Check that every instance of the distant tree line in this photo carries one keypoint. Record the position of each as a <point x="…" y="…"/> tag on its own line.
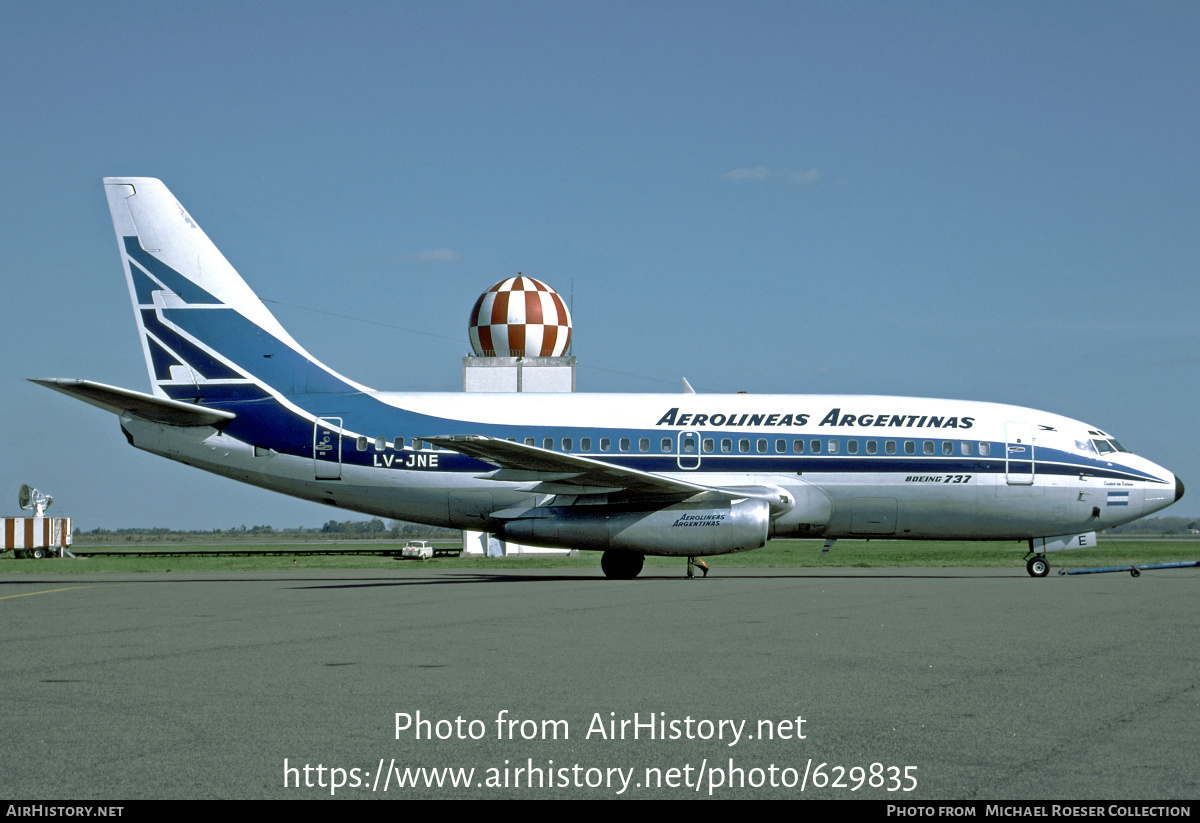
<point x="1164" y="526"/>
<point x="162" y="530"/>
<point x="374" y="529"/>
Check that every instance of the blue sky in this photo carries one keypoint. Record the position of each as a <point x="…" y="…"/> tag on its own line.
<point x="974" y="200"/>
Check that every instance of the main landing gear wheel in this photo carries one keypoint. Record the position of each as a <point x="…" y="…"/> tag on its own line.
<point x="1038" y="567"/>
<point x="621" y="565"/>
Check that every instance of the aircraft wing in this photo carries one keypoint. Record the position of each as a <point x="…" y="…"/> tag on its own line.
<point x="521" y="462"/>
<point x="140" y="404"/>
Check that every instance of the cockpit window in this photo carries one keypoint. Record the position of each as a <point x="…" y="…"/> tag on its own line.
<point x="1085" y="446"/>
<point x="1103" y="447"/>
<point x="1117" y="445"/>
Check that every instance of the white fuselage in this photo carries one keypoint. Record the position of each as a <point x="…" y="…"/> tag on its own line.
<point x="884" y="467"/>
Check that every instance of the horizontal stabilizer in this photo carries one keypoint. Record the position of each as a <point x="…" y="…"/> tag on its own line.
<point x="146" y="406"/>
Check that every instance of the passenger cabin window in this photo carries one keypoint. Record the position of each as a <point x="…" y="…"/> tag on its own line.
<point x="985" y="449"/>
<point x="890" y="447"/>
<point x="910" y="447"/>
<point x="644" y="444"/>
<point x="852" y="447"/>
<point x="726" y="445"/>
<point x="780" y="446"/>
<point x="666" y="445"/>
<point x="798" y="446"/>
<point x="872" y="447"/>
<point x="744" y="446"/>
<point x="361" y="444"/>
<point x="708" y="445"/>
<point x="834" y="446"/>
<point x="585" y="444"/>
<point x="529" y="441"/>
<point x="624" y="444"/>
<point x="814" y="446"/>
<point x="604" y="444"/>
<point x="762" y="446"/>
<point x="947" y="447"/>
<point x="966" y="447"/>
<point x="567" y="443"/>
<point x="380" y="444"/>
<point x="398" y="443"/>
<point x="927" y="447"/>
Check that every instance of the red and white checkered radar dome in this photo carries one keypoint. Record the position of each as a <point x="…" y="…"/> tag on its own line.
<point x="520" y="317"/>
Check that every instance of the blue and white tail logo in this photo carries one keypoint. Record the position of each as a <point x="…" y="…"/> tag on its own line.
<point x="205" y="335"/>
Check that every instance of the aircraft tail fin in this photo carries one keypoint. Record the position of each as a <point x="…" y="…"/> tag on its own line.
<point x="205" y="335"/>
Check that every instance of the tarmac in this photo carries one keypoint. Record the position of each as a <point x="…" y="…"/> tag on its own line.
<point x="905" y="684"/>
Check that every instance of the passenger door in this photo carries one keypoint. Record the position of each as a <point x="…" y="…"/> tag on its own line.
<point x="327" y="448"/>
<point x="1018" y="454"/>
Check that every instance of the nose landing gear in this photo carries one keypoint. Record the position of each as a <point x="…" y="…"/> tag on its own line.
<point x="1038" y="566"/>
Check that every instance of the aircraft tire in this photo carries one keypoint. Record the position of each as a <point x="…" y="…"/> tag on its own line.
<point x="618" y="565"/>
<point x="1038" y="567"/>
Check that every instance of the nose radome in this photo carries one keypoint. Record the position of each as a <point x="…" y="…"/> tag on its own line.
<point x="1178" y="488"/>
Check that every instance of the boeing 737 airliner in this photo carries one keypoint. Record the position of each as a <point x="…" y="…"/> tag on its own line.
<point x="626" y="474"/>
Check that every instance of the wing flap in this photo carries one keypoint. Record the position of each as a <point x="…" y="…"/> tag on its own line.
<point x="568" y="470"/>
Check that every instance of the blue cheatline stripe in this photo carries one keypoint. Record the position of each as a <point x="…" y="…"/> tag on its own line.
<point x="263" y="421"/>
<point x="173" y="280"/>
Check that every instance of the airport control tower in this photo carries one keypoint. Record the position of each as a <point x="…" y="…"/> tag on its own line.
<point x="520" y="338"/>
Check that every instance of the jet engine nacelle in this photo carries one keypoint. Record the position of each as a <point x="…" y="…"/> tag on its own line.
<point x="683" y="530"/>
